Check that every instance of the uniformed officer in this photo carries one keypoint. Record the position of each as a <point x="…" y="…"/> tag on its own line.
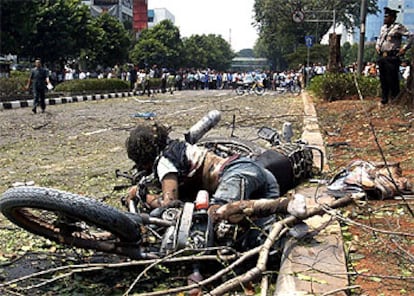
<point x="389" y="48"/>
<point x="39" y="79"/>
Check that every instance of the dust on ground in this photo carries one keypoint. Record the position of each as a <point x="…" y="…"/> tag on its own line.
<point x="78" y="146"/>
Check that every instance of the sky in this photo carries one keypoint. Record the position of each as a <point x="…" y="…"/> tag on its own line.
<point x="231" y="19"/>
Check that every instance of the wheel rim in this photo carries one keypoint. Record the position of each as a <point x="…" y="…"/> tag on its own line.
<point x="61" y="228"/>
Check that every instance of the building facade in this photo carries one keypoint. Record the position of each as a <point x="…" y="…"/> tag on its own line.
<point x="135" y="11"/>
<point x="121" y="9"/>
<point x="375" y="22"/>
<point x="157" y="15"/>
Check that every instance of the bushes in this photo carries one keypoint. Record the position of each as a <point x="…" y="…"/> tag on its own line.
<point x="13" y="85"/>
<point x="92" y="85"/>
<point x="332" y="87"/>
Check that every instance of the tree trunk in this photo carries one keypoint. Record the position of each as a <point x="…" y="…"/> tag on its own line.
<point x="334" y="62"/>
<point x="406" y="96"/>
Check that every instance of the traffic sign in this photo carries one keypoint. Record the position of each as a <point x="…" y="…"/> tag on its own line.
<point x="298" y="16"/>
<point x="309" y="40"/>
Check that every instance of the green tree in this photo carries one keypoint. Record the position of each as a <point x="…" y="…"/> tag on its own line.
<point x="280" y="36"/>
<point x="246" y="53"/>
<point x="111" y="42"/>
<point x="350" y="53"/>
<point x="160" y="45"/>
<point x="60" y="30"/>
<point x="207" y="51"/>
<point x="317" y="54"/>
<point x="16" y="23"/>
<point x="54" y="30"/>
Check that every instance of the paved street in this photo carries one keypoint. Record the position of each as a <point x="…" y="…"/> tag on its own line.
<point x="81" y="141"/>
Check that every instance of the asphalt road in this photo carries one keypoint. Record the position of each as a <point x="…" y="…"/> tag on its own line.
<point x="78" y="146"/>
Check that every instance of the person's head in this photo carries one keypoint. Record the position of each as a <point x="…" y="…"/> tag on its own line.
<point x="390" y="15"/>
<point x="144" y="144"/>
<point x="38" y="63"/>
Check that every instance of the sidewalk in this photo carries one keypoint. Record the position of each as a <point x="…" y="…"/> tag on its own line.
<point x="67" y="99"/>
<point x="318" y="266"/>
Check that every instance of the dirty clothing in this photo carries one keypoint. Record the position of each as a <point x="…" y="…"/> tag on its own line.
<point x="376" y="179"/>
<point x="226" y="179"/>
<point x="244" y="179"/>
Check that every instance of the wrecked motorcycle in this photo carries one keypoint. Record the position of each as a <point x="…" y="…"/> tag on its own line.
<point x="140" y="232"/>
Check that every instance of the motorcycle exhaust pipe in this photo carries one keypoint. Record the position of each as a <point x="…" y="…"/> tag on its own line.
<point x="198" y="130"/>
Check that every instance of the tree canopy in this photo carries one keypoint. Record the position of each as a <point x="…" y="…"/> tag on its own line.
<point x="280" y="36"/>
<point x="208" y="51"/>
<point x="64" y="31"/>
<point x="158" y="45"/>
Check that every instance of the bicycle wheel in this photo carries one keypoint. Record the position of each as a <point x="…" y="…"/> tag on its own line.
<point x="240" y="90"/>
<point x="259" y="90"/>
<point x="69" y="219"/>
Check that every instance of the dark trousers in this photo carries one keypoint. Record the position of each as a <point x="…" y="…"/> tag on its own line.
<point x="389" y="76"/>
<point x="39" y="98"/>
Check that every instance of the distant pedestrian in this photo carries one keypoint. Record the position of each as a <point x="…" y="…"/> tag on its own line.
<point x="133" y="76"/>
<point x="389" y="49"/>
<point x="39" y="80"/>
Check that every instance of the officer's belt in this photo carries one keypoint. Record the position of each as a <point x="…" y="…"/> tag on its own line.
<point x="391" y="53"/>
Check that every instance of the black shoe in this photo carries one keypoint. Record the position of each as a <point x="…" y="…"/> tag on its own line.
<point x="34" y="110"/>
<point x="43" y="110"/>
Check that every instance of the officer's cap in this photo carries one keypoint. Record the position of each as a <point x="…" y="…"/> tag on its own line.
<point x="390" y="12"/>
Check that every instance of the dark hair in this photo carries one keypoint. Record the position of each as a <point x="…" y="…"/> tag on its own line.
<point x="145" y="142"/>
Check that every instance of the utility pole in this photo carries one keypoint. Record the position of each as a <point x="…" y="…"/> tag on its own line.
<point x="362" y="35"/>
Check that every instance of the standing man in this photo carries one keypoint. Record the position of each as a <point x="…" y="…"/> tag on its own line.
<point x="389" y="49"/>
<point x="133" y="76"/>
<point x="39" y="80"/>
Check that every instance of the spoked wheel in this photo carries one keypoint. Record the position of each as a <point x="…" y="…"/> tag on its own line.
<point x="230" y="146"/>
<point x="70" y="219"/>
<point x="259" y="90"/>
<point x="240" y="90"/>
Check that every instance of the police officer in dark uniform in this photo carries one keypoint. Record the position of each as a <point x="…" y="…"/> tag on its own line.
<point x="39" y="79"/>
<point x="389" y="49"/>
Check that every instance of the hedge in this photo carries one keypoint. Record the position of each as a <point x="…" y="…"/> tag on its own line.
<point x="333" y="86"/>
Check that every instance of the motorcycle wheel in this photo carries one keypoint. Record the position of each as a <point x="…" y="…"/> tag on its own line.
<point x="232" y="144"/>
<point x="69" y="219"/>
<point x="259" y="90"/>
<point x="240" y="90"/>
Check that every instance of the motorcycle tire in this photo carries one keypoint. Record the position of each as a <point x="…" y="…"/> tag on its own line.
<point x="259" y="90"/>
<point x="69" y="219"/>
<point x="236" y="145"/>
<point x="240" y="90"/>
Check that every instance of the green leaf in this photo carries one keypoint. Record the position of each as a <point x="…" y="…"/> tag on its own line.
<point x="375" y="279"/>
<point x="308" y="278"/>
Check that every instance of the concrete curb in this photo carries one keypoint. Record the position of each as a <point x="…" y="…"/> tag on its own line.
<point x="74" y="99"/>
<point x="318" y="266"/>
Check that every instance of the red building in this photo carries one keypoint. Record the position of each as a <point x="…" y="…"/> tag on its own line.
<point x="140" y="15"/>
